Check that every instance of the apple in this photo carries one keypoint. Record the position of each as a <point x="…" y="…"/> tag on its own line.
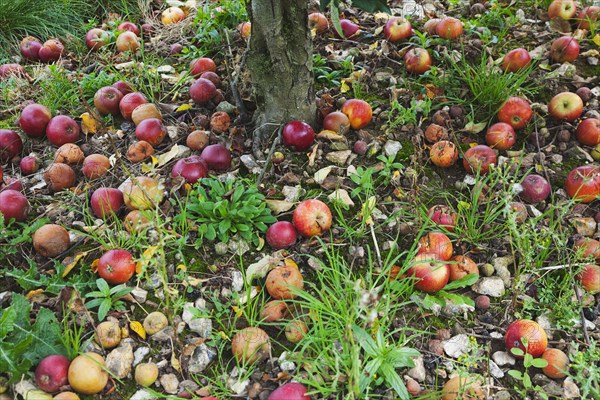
<point x="397" y="29"/>
<point x="312" y="217"/>
<point x="127" y="41"/>
<point x="13" y="183"/>
<point x="516" y="60"/>
<point x="588" y="16"/>
<point x="151" y="130"/>
<point x="220" y="122"/>
<point x="69" y="153"/>
<point x="216" y="156"/>
<point x="358" y="111"/>
<point x="95" y="166"/>
<point x="191" y="169"/>
<point x="51" y="373"/>
<point x="516" y="112"/>
<point x="172" y="15"/>
<point x="7" y="70"/>
<point x="129" y="102"/>
<point x="245" y="29"/>
<point x="443" y="216"/>
<point x="337" y="121"/>
<point x="535" y="188"/>
<point x="129" y="26"/>
<point x="500" y="136"/>
<point x="107" y="100"/>
<point x="519" y="209"/>
<point x="197" y="140"/>
<point x="34" y="119"/>
<point x="116" y="266"/>
<point x="175" y="48"/>
<point x="565" y="9"/>
<point x="62" y="129"/>
<point x="587" y="247"/>
<point x="449" y="28"/>
<point x="417" y="60"/>
<point x="28" y="164"/>
<point x="443" y="154"/>
<point x="59" y="176"/>
<point x="583" y="183"/>
<point x="318" y="22"/>
<point x="479" y="158"/>
<point x="349" y="28"/>
<point x="537" y="341"/>
<point x="431" y="273"/>
<point x="202" y="91"/>
<point x="430" y="25"/>
<point x="211" y="76"/>
<point x="281" y="235"/>
<point x="51" y="50"/>
<point x="436" y="243"/>
<point x="13" y="205"/>
<point x="589" y="277"/>
<point x="123" y="87"/>
<point x="558" y="362"/>
<point x="142" y="192"/>
<point x="566" y="106"/>
<point x="30" y="48"/>
<point x="564" y="49"/>
<point x="96" y="38"/>
<point x="106" y="201"/>
<point x="588" y="132"/>
<point x="203" y="64"/>
<point x="10" y="145"/>
<point x="298" y="135"/>
<point x="290" y="391"/>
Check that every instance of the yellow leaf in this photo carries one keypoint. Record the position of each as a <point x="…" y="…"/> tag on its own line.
<point x="175" y="362"/>
<point x="238" y="311"/>
<point x="33" y="293"/>
<point x="183" y="107"/>
<point x="288" y="262"/>
<point x="344" y="88"/>
<point x="223" y="335"/>
<point x="94" y="266"/>
<point x="182" y="267"/>
<point x="138" y="328"/>
<point x="596" y="39"/>
<point x="72" y="264"/>
<point x="374" y="45"/>
<point x="147" y="255"/>
<point x="88" y="124"/>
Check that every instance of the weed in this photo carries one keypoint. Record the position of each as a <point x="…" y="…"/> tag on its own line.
<point x="13" y="234"/>
<point x="528" y="362"/>
<point x="107" y="298"/>
<point x="59" y="91"/>
<point x="400" y="115"/>
<point x="586" y="369"/>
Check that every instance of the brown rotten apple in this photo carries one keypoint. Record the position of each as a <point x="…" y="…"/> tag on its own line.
<point x="280" y="279"/>
<point x="51" y="50"/>
<point x="461" y="266"/>
<point x="443" y="154"/>
<point x="250" y="345"/>
<point x="566" y="106"/>
<point x="516" y="112"/>
<point x="95" y="166"/>
<point x="59" y="176"/>
<point x="51" y="240"/>
<point x="312" y="218"/>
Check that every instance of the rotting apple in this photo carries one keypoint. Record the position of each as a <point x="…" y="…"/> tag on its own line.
<point x="217" y="156"/>
<point x="358" y="111"/>
<point x="250" y="345"/>
<point x="417" y="60"/>
<point x="298" y="135"/>
<point x="106" y="201"/>
<point x="436" y="243"/>
<point x="565" y="9"/>
<point x="13" y="205"/>
<point x="220" y="122"/>
<point x="130" y="102"/>
<point x="295" y="331"/>
<point x="516" y="112"/>
<point x="245" y="29"/>
<point x="588" y="132"/>
<point x="12" y="69"/>
<point x="191" y="169"/>
<point x="566" y="106"/>
<point x="142" y="193"/>
<point x="516" y="59"/>
<point x="172" y="15"/>
<point x="337" y="121"/>
<point x="197" y="140"/>
<point x="588" y="16"/>
<point x="145" y="111"/>
<point x="397" y="29"/>
<point x="59" y="176"/>
<point x="535" y="189"/>
<point x="500" y="136"/>
<point x="202" y="91"/>
<point x="463" y="388"/>
<point x="203" y="64"/>
<point x="62" y="129"/>
<point x="443" y="216"/>
<point x="146" y="374"/>
<point x="564" y="49"/>
<point x="274" y="310"/>
<point x="152" y="131"/>
<point x="127" y="41"/>
<point x="129" y="26"/>
<point x="95" y="166"/>
<point x="312" y="217"/>
<point x="449" y="28"/>
<point x="318" y="22"/>
<point x="10" y="145"/>
<point x="52" y="373"/>
<point x="116" y="266"/>
<point x="558" y="363"/>
<point x="430" y="25"/>
<point x="30" y="48"/>
<point x="532" y="332"/>
<point x="430" y="273"/>
<point x="34" y="119"/>
<point x="461" y="266"/>
<point x="281" y="235"/>
<point x="520" y="210"/>
<point x="443" y="154"/>
<point x="108" y="334"/>
<point x="479" y="159"/>
<point x="434" y="133"/>
<point x="28" y="165"/>
<point x="96" y="38"/>
<point x="280" y="280"/>
<point x="51" y="240"/>
<point x="589" y="278"/>
<point x="107" y="99"/>
<point x="51" y="50"/>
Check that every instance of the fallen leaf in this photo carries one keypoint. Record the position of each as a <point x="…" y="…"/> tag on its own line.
<point x="33" y="293"/>
<point x="596" y="39"/>
<point x="88" y="124"/>
<point x="321" y="174"/>
<point x="184" y="107"/>
<point x="279" y="206"/>
<point x="175" y="362"/>
<point x="472" y="127"/>
<point x="138" y="328"/>
<point x="94" y="266"/>
<point x="260" y="268"/>
<point x="73" y="261"/>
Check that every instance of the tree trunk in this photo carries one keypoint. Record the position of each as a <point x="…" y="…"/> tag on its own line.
<point x="280" y="63"/>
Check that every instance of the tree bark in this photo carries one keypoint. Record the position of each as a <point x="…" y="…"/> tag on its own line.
<point x="280" y="63"/>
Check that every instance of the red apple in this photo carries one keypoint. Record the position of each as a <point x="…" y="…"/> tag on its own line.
<point x="172" y="15"/>
<point x="200" y="65"/>
<point x="565" y="9"/>
<point x="431" y="274"/>
<point x="312" y="218"/>
<point x="107" y="100"/>
<point x="212" y="76"/>
<point x="530" y="330"/>
<point x="589" y="277"/>
<point x="7" y="70"/>
<point x="52" y="373"/>
<point x="516" y="60"/>
<point x="123" y="87"/>
<point x="461" y="266"/>
<point x="337" y="121"/>
<point x="535" y="189"/>
<point x="358" y="111"/>
<point x="479" y="158"/>
<point x="318" y="22"/>
<point x="30" y="48"/>
<point x="443" y="154"/>
<point x="588" y="17"/>
<point x="34" y="119"/>
<point x="443" y="216"/>
<point x="175" y="48"/>
<point x="28" y="165"/>
<point x="116" y="266"/>
<point x="216" y="156"/>
<point x="430" y="25"/>
<point x="10" y="145"/>
<point x="95" y="38"/>
<point x="298" y="135"/>
<point x="449" y="28"/>
<point x="191" y="169"/>
<point x="564" y="49"/>
<point x="62" y="129"/>
<point x="13" y="183"/>
<point x="436" y="243"/>
<point x="290" y="391"/>
<point x="516" y="112"/>
<point x="106" y="201"/>
<point x="127" y="41"/>
<point x="95" y="166"/>
<point x="583" y="183"/>
<point x="151" y="130"/>
<point x="558" y="362"/>
<point x="587" y="247"/>
<point x="566" y="106"/>
<point x="588" y="132"/>
<point x="129" y="26"/>
<point x="129" y="102"/>
<point x="51" y="50"/>
<point x="13" y="205"/>
<point x="397" y="29"/>
<point x="417" y="60"/>
<point x="202" y="91"/>
<point x="349" y="28"/>
<point x="500" y="136"/>
<point x="281" y="235"/>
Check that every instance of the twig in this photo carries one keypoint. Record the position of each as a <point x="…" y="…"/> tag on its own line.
<point x="376" y="246"/>
<point x="234" y="83"/>
<point x="270" y="156"/>
<point x="586" y="338"/>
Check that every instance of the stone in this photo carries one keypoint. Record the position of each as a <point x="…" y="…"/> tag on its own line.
<point x="502" y="358"/>
<point x="589" y="325"/>
<point x="418" y="372"/>
<point x="570" y="389"/>
<point x="486" y="269"/>
<point x="585" y="226"/>
<point x="250" y="163"/>
<point x="291" y="193"/>
<point x="139" y="294"/>
<point x="342" y="196"/>
<point x="164" y="334"/>
<point x="391" y="148"/>
<point x="491" y="286"/>
<point x="553" y="389"/>
<point x="170" y="383"/>
<point x="545" y="323"/>
<point x="201" y="359"/>
<point x="501" y="268"/>
<point x="338" y="157"/>
<point x="226" y="107"/>
<point x="457" y="346"/>
<point x="502" y="395"/>
<point x="495" y="370"/>
<point x="143" y="394"/>
<point x="139" y="354"/>
<point x="237" y="281"/>
<point x="120" y="360"/>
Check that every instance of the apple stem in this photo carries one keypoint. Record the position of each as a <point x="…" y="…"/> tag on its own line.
<point x="376" y="246"/>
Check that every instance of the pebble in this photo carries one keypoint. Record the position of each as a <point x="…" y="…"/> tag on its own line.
<point x="570" y="389"/>
<point x="164" y="334"/>
<point x="501" y="268"/>
<point x="202" y="326"/>
<point x="502" y="358"/>
<point x="589" y="325"/>
<point x="418" y="371"/>
<point x="139" y="354"/>
<point x="237" y="280"/>
<point x="170" y="383"/>
<point x="457" y="346"/>
<point x="492" y="286"/>
<point x="546" y="323"/>
<point x="486" y="269"/>
<point x="250" y="163"/>
<point x="291" y="193"/>
<point x="495" y="370"/>
<point x="201" y="358"/>
<point x="142" y="394"/>
<point x="226" y="107"/>
<point x="502" y="395"/>
<point x="139" y="294"/>
<point x="436" y="347"/>
<point x="338" y="157"/>
<point x="585" y="226"/>
<point x="120" y="360"/>
<point x="391" y="148"/>
<point x="552" y="389"/>
<point x="239" y="246"/>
